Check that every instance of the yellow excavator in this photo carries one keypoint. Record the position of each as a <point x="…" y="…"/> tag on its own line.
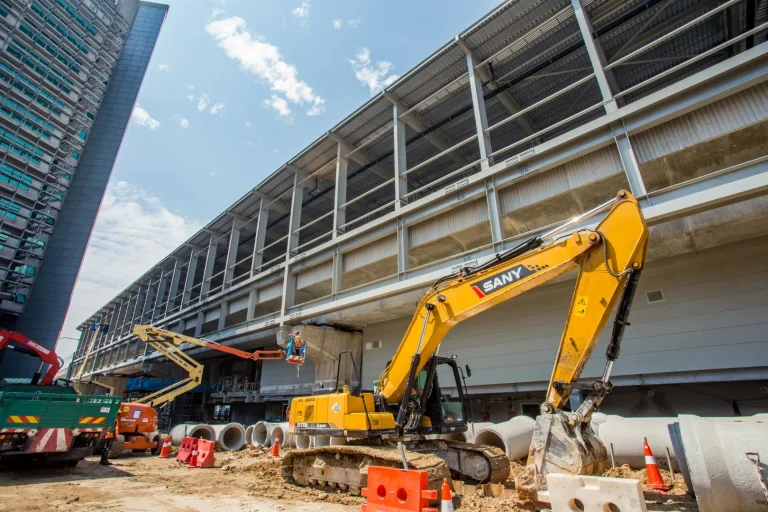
<point x="392" y="421"/>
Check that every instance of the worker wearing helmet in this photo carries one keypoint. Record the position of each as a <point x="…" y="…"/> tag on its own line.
<point x="109" y="438"/>
<point x="297" y="346"/>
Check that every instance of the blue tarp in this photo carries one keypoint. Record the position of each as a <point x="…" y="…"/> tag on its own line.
<point x="152" y="384"/>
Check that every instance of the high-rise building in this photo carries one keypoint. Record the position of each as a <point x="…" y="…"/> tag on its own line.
<point x="70" y="72"/>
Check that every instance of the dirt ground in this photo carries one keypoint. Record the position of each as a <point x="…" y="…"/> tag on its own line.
<point x="247" y="481"/>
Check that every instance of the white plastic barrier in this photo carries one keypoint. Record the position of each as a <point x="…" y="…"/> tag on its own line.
<point x="569" y="493"/>
<point x="229" y="437"/>
<point x="198" y="430"/>
<point x="513" y="436"/>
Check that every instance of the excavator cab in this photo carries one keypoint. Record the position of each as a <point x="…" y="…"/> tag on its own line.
<point x="442" y="413"/>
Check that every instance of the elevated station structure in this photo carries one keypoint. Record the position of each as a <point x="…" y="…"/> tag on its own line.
<point x="536" y="113"/>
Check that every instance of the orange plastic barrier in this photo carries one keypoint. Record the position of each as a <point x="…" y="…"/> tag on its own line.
<point x="205" y="451"/>
<point x="397" y="490"/>
<point x="188" y="444"/>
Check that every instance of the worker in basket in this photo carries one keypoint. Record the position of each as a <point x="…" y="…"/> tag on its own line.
<point x="296" y="350"/>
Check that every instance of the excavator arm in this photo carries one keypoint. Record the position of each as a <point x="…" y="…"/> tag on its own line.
<point x="607" y="258"/>
<point x="170" y="344"/>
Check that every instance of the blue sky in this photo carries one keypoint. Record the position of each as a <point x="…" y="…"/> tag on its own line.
<point x="235" y="88"/>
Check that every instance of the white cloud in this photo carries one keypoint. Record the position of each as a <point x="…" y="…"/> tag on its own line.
<point x="263" y="60"/>
<point x="141" y="117"/>
<point x="216" y="12"/>
<point x="202" y="102"/>
<point x="163" y="67"/>
<point x="189" y="87"/>
<point x="275" y="151"/>
<point x="354" y="22"/>
<point x="184" y="123"/>
<point x="218" y="110"/>
<point x="301" y="12"/>
<point x="213" y="174"/>
<point x="133" y="231"/>
<point x="337" y="23"/>
<point x="375" y="75"/>
<point x="248" y="124"/>
<point x="279" y="105"/>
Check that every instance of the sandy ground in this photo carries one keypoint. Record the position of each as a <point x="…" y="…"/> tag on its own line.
<point x="247" y="481"/>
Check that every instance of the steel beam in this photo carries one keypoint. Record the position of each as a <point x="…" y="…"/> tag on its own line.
<point x="628" y="159"/>
<point x="259" y="238"/>
<point x="289" y="279"/>
<point x="403" y="247"/>
<point x="596" y="57"/>
<point x="481" y="114"/>
<point x="210" y="261"/>
<point x="173" y="291"/>
<point x="401" y="162"/>
<point x="494" y="213"/>
<point x="337" y="270"/>
<point x="157" y="310"/>
<point x="189" y="282"/>
<point x="234" y="243"/>
<point x="340" y="190"/>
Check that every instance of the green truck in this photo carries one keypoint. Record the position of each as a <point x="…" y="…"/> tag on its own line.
<point x="45" y="421"/>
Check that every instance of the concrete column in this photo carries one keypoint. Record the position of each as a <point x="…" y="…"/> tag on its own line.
<point x="336" y="271"/>
<point x="189" y="282"/>
<point x="253" y="299"/>
<point x="403" y="244"/>
<point x="481" y="115"/>
<point x="260" y="237"/>
<point x="340" y="195"/>
<point x="223" y="312"/>
<point x="234" y="242"/>
<point x="401" y="163"/>
<point x="596" y="56"/>
<point x="628" y="159"/>
<point x="199" y="324"/>
<point x="210" y="260"/>
<point x="494" y="213"/>
<point x="173" y="290"/>
<point x="157" y="309"/>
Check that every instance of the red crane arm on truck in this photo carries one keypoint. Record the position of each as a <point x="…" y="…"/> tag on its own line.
<point x="16" y="341"/>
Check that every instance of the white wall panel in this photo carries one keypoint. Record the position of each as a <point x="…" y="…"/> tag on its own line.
<point x="370" y="253"/>
<point x="457" y="219"/>
<point x="727" y="115"/>
<point x="315" y="274"/>
<point x="271" y="292"/>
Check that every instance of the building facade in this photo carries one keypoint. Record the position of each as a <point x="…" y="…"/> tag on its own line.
<point x="70" y="71"/>
<point x="536" y="113"/>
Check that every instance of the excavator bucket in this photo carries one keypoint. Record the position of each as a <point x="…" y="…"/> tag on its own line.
<point x="559" y="447"/>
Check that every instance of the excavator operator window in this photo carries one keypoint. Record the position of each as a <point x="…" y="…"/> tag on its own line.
<point x="453" y="410"/>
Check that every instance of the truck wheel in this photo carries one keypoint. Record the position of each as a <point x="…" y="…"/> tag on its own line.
<point x="118" y="445"/>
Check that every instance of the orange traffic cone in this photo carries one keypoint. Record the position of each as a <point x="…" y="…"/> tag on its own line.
<point x="165" y="452"/>
<point x="654" y="476"/>
<point x="276" y="446"/>
<point x="446" y="504"/>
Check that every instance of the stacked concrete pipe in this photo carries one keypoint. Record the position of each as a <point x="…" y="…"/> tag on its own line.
<point x="474" y="428"/>
<point x="513" y="436"/>
<point x="249" y="435"/>
<point x="624" y="437"/>
<point x="262" y="434"/>
<point x="282" y="430"/>
<point x="303" y="441"/>
<point x="229" y="437"/>
<point x="197" y="430"/>
<point x="319" y="441"/>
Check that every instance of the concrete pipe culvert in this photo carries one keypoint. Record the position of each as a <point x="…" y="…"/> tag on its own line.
<point x="196" y="430"/>
<point x="249" y="434"/>
<point x="319" y="441"/>
<point x="474" y="428"/>
<point x="454" y="436"/>
<point x="513" y="436"/>
<point x="282" y="430"/>
<point x="229" y="437"/>
<point x="338" y="441"/>
<point x="261" y="434"/>
<point x="303" y="441"/>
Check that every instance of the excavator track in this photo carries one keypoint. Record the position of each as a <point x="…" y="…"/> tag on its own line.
<point x="346" y="467"/>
